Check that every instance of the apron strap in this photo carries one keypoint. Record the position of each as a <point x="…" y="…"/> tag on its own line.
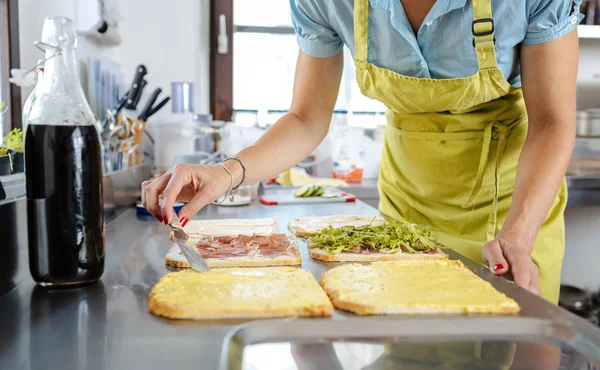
<point x="361" y="31"/>
<point x="503" y="132"/>
<point x="483" y="34"/>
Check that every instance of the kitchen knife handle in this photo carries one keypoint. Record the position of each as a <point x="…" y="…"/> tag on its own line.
<point x="137" y="98"/>
<point x="140" y="72"/>
<point x="158" y="107"/>
<point x="151" y="100"/>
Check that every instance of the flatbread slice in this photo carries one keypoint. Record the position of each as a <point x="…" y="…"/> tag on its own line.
<point x="239" y="294"/>
<point x="231" y="227"/>
<point x="413" y="287"/>
<point x="322" y="255"/>
<point x="257" y="256"/>
<point x="306" y="226"/>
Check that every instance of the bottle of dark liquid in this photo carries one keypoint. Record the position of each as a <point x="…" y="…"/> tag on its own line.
<point x="63" y="170"/>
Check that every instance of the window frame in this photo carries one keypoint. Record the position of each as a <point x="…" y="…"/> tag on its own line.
<point x="221" y="65"/>
<point x="9" y="56"/>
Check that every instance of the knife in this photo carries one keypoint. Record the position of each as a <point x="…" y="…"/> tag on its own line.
<point x="187" y="247"/>
<point x="136" y="86"/>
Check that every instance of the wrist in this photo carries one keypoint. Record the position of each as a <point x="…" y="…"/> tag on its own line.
<point x="518" y="236"/>
<point x="236" y="170"/>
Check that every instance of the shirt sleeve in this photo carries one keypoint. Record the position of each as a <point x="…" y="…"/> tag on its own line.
<point x="314" y="34"/>
<point x="551" y="19"/>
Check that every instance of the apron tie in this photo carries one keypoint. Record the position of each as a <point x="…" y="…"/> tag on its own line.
<point x="497" y="131"/>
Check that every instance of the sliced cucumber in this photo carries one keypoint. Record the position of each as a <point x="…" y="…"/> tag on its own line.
<point x="331" y="195"/>
<point x="303" y="191"/>
<point x="320" y="191"/>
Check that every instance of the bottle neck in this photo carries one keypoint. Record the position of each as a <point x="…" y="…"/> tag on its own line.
<point x="63" y="65"/>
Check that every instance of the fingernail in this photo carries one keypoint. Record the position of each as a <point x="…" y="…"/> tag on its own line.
<point x="166" y="221"/>
<point x="183" y="221"/>
<point x="159" y="218"/>
<point x="498" y="267"/>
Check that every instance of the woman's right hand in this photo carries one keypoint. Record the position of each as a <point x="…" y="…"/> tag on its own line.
<point x="196" y="184"/>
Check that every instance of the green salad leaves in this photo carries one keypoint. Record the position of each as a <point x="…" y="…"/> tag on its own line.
<point x="391" y="237"/>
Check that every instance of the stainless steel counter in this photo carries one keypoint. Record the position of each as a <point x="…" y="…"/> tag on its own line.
<point x="107" y="325"/>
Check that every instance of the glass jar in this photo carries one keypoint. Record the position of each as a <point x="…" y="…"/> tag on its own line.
<point x="63" y="170"/>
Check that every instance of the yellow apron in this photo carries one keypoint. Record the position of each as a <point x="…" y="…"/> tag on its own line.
<point x="451" y="150"/>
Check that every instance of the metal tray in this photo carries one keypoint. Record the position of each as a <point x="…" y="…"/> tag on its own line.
<point x="419" y="342"/>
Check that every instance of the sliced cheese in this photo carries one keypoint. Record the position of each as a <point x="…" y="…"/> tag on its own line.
<point x="413" y="287"/>
<point x="239" y="293"/>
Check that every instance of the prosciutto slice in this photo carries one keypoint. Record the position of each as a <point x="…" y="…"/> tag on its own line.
<point x="244" y="246"/>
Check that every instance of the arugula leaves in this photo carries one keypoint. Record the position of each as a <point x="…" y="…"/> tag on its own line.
<point x="391" y="237"/>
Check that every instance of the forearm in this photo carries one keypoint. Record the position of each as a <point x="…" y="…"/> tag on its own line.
<point x="291" y="139"/>
<point x="540" y="172"/>
<point x="549" y="73"/>
<point x="285" y="144"/>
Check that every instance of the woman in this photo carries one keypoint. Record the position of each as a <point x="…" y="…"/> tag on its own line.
<point x="467" y="150"/>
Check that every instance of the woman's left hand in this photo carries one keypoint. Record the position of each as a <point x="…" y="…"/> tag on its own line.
<point x="507" y="253"/>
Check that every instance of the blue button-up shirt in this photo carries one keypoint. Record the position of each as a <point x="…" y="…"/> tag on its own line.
<point x="443" y="46"/>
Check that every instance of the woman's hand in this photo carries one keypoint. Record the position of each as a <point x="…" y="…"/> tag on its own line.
<point x="509" y="253"/>
<point x="198" y="185"/>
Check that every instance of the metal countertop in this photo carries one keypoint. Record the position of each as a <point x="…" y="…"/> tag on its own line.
<point x="107" y="325"/>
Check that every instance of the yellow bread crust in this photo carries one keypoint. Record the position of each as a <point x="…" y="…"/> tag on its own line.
<point x="368" y="305"/>
<point x="312" y="302"/>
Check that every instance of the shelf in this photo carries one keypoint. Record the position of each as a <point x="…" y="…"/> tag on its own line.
<point x="588" y="32"/>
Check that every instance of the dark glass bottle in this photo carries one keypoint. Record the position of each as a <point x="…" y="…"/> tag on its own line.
<point x="63" y="170"/>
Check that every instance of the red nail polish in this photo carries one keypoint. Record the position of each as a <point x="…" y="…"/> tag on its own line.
<point x="183" y="221"/>
<point x="166" y="221"/>
<point x="498" y="267"/>
<point x="159" y="218"/>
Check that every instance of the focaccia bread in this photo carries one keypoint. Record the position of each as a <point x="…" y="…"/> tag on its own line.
<point x="231" y="227"/>
<point x="413" y="287"/>
<point x="242" y="251"/>
<point x="306" y="226"/>
<point x="239" y="294"/>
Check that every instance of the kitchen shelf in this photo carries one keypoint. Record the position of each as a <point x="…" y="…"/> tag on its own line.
<point x="588" y="32"/>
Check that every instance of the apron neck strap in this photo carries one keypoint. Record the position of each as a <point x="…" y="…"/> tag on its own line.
<point x="361" y="30"/>
<point x="482" y="29"/>
<point x="483" y="34"/>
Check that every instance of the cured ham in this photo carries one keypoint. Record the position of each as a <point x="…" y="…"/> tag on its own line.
<point x="244" y="245"/>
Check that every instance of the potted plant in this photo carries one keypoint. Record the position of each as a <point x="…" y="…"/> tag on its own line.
<point x="5" y="161"/>
<point x="14" y="142"/>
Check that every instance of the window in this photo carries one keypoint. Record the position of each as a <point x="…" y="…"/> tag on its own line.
<point x="9" y="94"/>
<point x="264" y="61"/>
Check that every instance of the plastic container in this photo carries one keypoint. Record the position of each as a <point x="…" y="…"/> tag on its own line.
<point x="348" y="153"/>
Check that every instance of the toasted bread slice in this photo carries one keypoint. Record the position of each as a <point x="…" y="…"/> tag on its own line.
<point x="320" y="254"/>
<point x="239" y="294"/>
<point x="291" y="258"/>
<point x="231" y="227"/>
<point x="413" y="287"/>
<point x="306" y="226"/>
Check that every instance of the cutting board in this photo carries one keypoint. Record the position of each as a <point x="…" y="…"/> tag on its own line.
<point x="286" y="196"/>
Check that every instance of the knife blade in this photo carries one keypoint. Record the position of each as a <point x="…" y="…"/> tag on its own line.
<point x="187" y="247"/>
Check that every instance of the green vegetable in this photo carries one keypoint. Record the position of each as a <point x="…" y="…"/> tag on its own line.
<point x="302" y="191"/>
<point x="14" y="140"/>
<point x="309" y="191"/>
<point x="391" y="237"/>
<point x="3" y="152"/>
